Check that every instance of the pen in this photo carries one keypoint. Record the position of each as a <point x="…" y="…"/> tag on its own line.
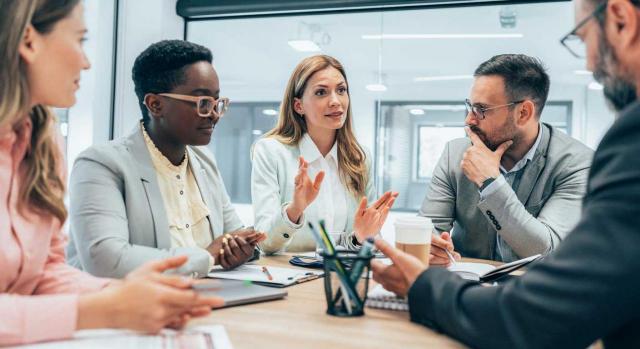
<point x="266" y="271"/>
<point x="451" y="259"/>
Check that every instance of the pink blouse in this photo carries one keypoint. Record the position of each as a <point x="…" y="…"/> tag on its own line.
<point x="38" y="291"/>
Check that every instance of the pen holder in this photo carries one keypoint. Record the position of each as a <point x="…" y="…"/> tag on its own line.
<point x="346" y="282"/>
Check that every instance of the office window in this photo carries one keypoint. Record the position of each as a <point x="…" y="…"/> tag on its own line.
<point x="235" y="133"/>
<point x="431" y="142"/>
<point x="89" y="120"/>
<point x="414" y="136"/>
<point x="397" y="61"/>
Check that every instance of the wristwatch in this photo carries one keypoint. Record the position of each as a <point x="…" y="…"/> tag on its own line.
<point x="486" y="183"/>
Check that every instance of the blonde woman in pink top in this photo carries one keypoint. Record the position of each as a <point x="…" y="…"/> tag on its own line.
<point x="42" y="298"/>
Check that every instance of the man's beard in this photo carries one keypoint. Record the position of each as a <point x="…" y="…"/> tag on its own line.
<point x="508" y="133"/>
<point x="618" y="92"/>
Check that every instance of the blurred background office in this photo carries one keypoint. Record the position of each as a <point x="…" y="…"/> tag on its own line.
<point x="409" y="65"/>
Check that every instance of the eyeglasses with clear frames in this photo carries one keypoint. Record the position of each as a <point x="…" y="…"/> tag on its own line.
<point x="206" y="105"/>
<point x="573" y="42"/>
<point x="478" y="111"/>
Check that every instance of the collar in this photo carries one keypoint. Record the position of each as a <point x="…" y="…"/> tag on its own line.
<point x="159" y="159"/>
<point x="528" y="156"/>
<point x="309" y="150"/>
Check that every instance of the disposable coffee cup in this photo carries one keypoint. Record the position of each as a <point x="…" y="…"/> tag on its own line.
<point x="413" y="236"/>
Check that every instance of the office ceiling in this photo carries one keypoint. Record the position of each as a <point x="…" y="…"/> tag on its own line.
<point x="252" y="55"/>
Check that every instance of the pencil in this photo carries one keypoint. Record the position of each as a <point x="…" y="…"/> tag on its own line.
<point x="266" y="271"/>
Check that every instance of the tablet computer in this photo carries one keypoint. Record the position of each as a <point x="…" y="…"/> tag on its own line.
<point x="235" y="292"/>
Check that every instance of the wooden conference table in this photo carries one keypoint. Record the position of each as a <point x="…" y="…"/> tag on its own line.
<point x="300" y="322"/>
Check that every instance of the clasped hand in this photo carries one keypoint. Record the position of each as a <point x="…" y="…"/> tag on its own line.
<point x="233" y="249"/>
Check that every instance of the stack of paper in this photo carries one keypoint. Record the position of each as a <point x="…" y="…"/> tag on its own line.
<point x="276" y="276"/>
<point x="200" y="337"/>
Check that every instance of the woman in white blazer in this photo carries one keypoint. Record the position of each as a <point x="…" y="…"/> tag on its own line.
<point x="311" y="167"/>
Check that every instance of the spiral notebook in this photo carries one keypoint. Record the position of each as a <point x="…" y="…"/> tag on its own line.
<point x="380" y="298"/>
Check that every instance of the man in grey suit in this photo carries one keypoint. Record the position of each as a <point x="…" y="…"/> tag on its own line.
<point x="514" y="187"/>
<point x="588" y="287"/>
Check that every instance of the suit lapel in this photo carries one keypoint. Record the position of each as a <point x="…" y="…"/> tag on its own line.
<point x="149" y="180"/>
<point x="534" y="168"/>
<point x="201" y="180"/>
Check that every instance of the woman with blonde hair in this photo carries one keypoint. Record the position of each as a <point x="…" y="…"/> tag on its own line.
<point x="314" y="139"/>
<point x="42" y="298"/>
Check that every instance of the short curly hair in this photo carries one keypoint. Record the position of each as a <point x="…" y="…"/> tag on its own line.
<point x="160" y="68"/>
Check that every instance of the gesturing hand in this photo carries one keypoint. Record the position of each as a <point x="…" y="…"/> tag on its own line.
<point x="369" y="220"/>
<point x="399" y="276"/>
<point x="305" y="191"/>
<point x="480" y="163"/>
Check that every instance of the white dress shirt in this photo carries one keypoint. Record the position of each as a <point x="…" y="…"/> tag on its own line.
<point x="331" y="202"/>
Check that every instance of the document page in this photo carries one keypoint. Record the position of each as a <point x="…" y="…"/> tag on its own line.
<point x="200" y="337"/>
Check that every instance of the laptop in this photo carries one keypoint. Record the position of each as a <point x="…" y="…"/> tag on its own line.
<point x="235" y="292"/>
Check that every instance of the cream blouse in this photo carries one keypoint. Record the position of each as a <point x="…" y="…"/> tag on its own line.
<point x="186" y="211"/>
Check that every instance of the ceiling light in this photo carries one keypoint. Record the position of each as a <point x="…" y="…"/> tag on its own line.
<point x="442" y="78"/>
<point x="416" y="111"/>
<point x="269" y="112"/>
<point x="441" y="36"/>
<point x="595" y="86"/>
<point x="448" y="107"/>
<point x="582" y="72"/>
<point x="304" y="45"/>
<point x="436" y="107"/>
<point x="376" y="87"/>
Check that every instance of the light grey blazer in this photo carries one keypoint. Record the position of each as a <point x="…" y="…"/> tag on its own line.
<point x="532" y="220"/>
<point x="274" y="167"/>
<point x="117" y="214"/>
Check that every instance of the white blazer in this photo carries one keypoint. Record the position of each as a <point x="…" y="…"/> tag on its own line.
<point x="274" y="168"/>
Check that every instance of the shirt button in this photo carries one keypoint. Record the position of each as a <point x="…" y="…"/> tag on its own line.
<point x="178" y="176"/>
<point x="489" y="213"/>
<point x="498" y="227"/>
<point x="181" y="192"/>
<point x="286" y="236"/>
<point x="187" y="225"/>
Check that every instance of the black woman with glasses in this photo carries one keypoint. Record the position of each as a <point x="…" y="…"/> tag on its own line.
<point x="158" y="192"/>
<point x="514" y="187"/>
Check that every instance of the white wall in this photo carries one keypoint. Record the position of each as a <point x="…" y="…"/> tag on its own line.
<point x="140" y="23"/>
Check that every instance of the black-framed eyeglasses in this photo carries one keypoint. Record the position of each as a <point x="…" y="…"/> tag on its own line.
<point x="572" y="41"/>
<point x="478" y="111"/>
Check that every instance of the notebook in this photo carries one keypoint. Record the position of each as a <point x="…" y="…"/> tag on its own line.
<point x="199" y="337"/>
<point x="470" y="271"/>
<point x="487" y="273"/>
<point x="280" y="277"/>
<point x="380" y="298"/>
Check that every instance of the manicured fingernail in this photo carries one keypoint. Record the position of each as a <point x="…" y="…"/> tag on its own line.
<point x="221" y="251"/>
<point x="224" y="240"/>
<point x="227" y="236"/>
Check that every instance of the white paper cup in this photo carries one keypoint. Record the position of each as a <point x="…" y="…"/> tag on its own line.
<point x="413" y="236"/>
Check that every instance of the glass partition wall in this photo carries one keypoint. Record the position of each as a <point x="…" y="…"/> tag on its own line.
<point x="409" y="72"/>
